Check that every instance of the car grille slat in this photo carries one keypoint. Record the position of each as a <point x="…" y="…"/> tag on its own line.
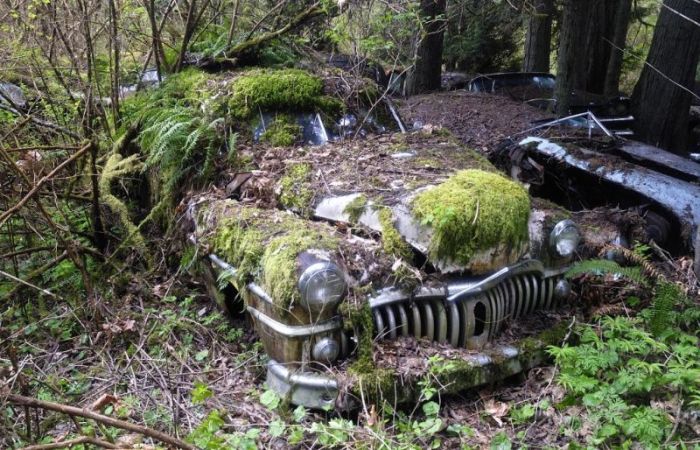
<point x="428" y="321"/>
<point x="457" y="322"/>
<point x="403" y="319"/>
<point x="391" y="321"/>
<point x="416" y="328"/>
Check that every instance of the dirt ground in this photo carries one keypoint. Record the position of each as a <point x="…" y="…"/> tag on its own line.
<point x="480" y="121"/>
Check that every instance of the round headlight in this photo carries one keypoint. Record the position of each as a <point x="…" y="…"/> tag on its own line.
<point x="322" y="285"/>
<point x="564" y="238"/>
<point x="326" y="350"/>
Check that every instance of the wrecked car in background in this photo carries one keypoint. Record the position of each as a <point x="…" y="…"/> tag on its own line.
<point x="537" y="89"/>
<point x="589" y="166"/>
<point x="340" y="248"/>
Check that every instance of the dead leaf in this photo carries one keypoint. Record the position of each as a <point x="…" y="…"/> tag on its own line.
<point x="496" y="410"/>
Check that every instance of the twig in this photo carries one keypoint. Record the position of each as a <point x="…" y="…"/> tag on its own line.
<point x="26" y="283"/>
<point x="86" y="413"/>
<point x="72" y="442"/>
<point x="4" y="216"/>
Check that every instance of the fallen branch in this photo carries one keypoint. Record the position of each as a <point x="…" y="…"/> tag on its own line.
<point x="112" y="422"/>
<point x="312" y="12"/>
<point x="42" y="123"/>
<point x="72" y="442"/>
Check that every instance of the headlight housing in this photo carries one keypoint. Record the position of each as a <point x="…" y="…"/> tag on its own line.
<point x="322" y="285"/>
<point x="564" y="239"/>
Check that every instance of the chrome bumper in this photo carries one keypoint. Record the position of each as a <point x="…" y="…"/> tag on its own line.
<point x="319" y="391"/>
<point x="309" y="389"/>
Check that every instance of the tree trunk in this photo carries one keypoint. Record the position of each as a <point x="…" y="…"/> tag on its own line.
<point x="622" y="22"/>
<point x="587" y="28"/>
<point x="596" y="47"/>
<point x="425" y="76"/>
<point x="570" y="64"/>
<point x="539" y="37"/>
<point x="662" y="96"/>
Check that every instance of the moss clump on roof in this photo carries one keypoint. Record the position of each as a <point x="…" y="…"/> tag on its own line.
<point x="264" y="249"/>
<point x="473" y="211"/>
<point x="279" y="90"/>
<point x="282" y="132"/>
<point x="295" y="191"/>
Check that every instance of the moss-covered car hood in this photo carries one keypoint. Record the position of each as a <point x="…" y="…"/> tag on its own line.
<point x="421" y="190"/>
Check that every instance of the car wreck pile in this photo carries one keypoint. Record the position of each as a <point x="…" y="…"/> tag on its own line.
<point x="359" y="259"/>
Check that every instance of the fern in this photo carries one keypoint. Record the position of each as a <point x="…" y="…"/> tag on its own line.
<point x="662" y="311"/>
<point x="602" y="267"/>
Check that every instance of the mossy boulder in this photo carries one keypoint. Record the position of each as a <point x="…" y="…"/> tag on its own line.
<point x="278" y="90"/>
<point x="472" y="212"/>
<point x="264" y="248"/>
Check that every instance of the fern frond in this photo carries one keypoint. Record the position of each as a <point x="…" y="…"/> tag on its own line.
<point x="637" y="257"/>
<point x="602" y="267"/>
<point x="666" y="297"/>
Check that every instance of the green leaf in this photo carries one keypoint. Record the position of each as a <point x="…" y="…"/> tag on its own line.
<point x="201" y="355"/>
<point x="270" y="399"/>
<point x="200" y="393"/>
<point x="276" y="428"/>
<point x="431" y="409"/>
<point x="501" y="442"/>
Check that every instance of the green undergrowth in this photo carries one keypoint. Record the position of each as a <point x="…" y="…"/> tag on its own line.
<point x="629" y="373"/>
<point x="291" y="90"/>
<point x="180" y="134"/>
<point x="265" y="249"/>
<point x="471" y="212"/>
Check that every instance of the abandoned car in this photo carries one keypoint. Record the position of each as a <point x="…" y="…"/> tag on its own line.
<point x="587" y="166"/>
<point x="339" y="248"/>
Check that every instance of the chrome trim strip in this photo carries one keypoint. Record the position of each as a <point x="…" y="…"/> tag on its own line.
<point x="298" y="330"/>
<point x="530" y="266"/>
<point x="223" y="265"/>
<point x="260" y="293"/>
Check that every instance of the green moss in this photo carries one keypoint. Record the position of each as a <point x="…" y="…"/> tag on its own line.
<point x="281" y="133"/>
<point x="265" y="249"/>
<point x="392" y="241"/>
<point x="295" y="189"/>
<point x="473" y="211"/>
<point x="356" y="208"/>
<point x="279" y="90"/>
<point x="279" y="262"/>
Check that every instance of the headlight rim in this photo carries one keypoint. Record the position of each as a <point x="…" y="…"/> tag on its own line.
<point x="554" y="237"/>
<point x="309" y="273"/>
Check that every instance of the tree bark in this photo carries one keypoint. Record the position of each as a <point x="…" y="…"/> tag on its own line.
<point x="662" y="96"/>
<point x="619" y="41"/>
<point x="425" y="76"/>
<point x="570" y="66"/>
<point x="538" y="41"/>
<point x="587" y="29"/>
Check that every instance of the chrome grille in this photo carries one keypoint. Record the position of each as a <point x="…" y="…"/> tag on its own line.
<point x="469" y="322"/>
